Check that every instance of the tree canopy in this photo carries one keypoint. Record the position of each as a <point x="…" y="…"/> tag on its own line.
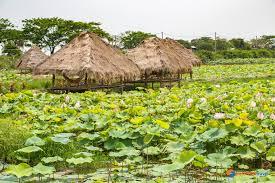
<point x="132" y="39"/>
<point x="53" y="32"/>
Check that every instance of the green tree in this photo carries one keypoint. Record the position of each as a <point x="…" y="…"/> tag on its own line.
<point x="53" y="32"/>
<point x="185" y="43"/>
<point x="11" y="49"/>
<point x="204" y="43"/>
<point x="131" y="39"/>
<point x="240" y="43"/>
<point x="223" y="44"/>
<point x="10" y="38"/>
<point x="263" y="42"/>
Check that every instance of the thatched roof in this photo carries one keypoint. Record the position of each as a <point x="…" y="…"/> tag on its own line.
<point x="89" y="54"/>
<point x="155" y="56"/>
<point x="31" y="59"/>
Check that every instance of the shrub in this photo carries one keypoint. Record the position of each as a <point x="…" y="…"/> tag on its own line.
<point x="12" y="138"/>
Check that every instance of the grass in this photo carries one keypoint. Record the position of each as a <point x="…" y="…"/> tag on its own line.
<point x="12" y="137"/>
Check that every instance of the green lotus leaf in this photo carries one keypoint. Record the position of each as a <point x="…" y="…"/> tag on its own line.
<point x="20" y="170"/>
<point x="51" y="159"/>
<point x="151" y="150"/>
<point x="166" y="169"/>
<point x="148" y="138"/>
<point x="246" y="153"/>
<point x="125" y="152"/>
<point x="34" y="141"/>
<point x="64" y="135"/>
<point x="88" y="136"/>
<point x="43" y="170"/>
<point x="259" y="146"/>
<point x="213" y="134"/>
<point x="78" y="161"/>
<point x="116" y="133"/>
<point x="218" y="160"/>
<point x="243" y="179"/>
<point x="30" y="149"/>
<point x="239" y="140"/>
<point x="270" y="156"/>
<point x="186" y="157"/>
<point x="252" y="131"/>
<point x="93" y="148"/>
<point x="62" y="140"/>
<point x="242" y="166"/>
<point x="83" y="154"/>
<point x="174" y="147"/>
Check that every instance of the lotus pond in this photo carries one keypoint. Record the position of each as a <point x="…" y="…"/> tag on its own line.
<point x="190" y="134"/>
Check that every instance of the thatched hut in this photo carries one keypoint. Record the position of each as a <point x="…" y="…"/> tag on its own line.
<point x="163" y="58"/>
<point x="31" y="59"/>
<point x="90" y="58"/>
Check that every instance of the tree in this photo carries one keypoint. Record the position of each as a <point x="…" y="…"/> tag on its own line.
<point x="131" y="39"/>
<point x="185" y="43"/>
<point x="11" y="49"/>
<point x="263" y="42"/>
<point x="222" y="44"/>
<point x="239" y="43"/>
<point x="10" y="38"/>
<point x="204" y="43"/>
<point x="53" y="32"/>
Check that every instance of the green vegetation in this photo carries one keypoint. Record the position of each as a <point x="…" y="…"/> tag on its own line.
<point x="223" y="118"/>
<point x="208" y="56"/>
<point x="240" y="61"/>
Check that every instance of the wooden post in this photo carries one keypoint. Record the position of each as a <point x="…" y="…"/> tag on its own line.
<point x="86" y="78"/>
<point x="191" y="75"/>
<point x="145" y="83"/>
<point x="160" y="81"/>
<point x="179" y="78"/>
<point x="170" y="81"/>
<point x="53" y="80"/>
<point x="152" y="84"/>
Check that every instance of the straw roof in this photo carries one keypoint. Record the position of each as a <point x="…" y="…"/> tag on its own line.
<point x="155" y="56"/>
<point x="31" y="59"/>
<point x="89" y="54"/>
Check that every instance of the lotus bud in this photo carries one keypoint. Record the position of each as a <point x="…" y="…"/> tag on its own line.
<point x="253" y="104"/>
<point x="273" y="99"/>
<point x="189" y="102"/>
<point x="77" y="105"/>
<point x="258" y="95"/>
<point x="272" y="116"/>
<point x="63" y="105"/>
<point x="203" y="100"/>
<point x="219" y="116"/>
<point x="260" y="115"/>
<point x="67" y="99"/>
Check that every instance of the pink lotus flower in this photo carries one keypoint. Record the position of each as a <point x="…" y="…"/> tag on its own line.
<point x="258" y="95"/>
<point x="272" y="116"/>
<point x="77" y="105"/>
<point x="260" y="115"/>
<point x="189" y="102"/>
<point x="219" y="116"/>
<point x="253" y="104"/>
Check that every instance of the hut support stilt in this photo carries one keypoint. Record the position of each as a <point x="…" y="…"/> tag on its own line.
<point x="53" y="80"/>
<point x="191" y="75"/>
<point x="145" y="83"/>
<point x="179" y="78"/>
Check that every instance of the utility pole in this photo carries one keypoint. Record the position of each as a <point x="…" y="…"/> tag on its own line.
<point x="215" y="41"/>
<point x="161" y="35"/>
<point x="256" y="42"/>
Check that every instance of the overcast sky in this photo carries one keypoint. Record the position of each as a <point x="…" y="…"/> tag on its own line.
<point x="184" y="19"/>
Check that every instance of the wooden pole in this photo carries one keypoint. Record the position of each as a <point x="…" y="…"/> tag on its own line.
<point x="53" y="80"/>
<point x="145" y="83"/>
<point x="86" y="79"/>
<point x="179" y="78"/>
<point x="191" y="75"/>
